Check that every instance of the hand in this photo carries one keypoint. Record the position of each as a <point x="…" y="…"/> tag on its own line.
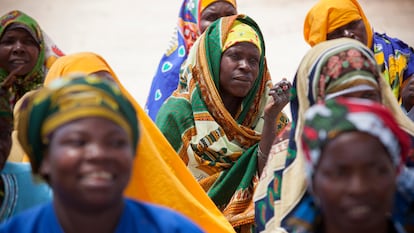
<point x="9" y="80"/>
<point x="281" y="95"/>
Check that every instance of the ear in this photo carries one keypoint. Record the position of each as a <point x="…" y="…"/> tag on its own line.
<point x="44" y="169"/>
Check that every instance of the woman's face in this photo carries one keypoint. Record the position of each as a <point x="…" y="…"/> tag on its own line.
<point x="18" y="50"/>
<point x="239" y="68"/>
<point x="215" y="11"/>
<point x="354" y="185"/>
<point x="88" y="163"/>
<point x="354" y="30"/>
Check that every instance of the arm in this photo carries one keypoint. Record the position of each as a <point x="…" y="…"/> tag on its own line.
<point x="280" y="93"/>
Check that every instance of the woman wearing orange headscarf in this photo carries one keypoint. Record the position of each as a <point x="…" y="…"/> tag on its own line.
<point x="331" y="19"/>
<point x="159" y="176"/>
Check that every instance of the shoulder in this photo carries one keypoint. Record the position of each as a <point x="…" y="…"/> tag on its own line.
<point x="161" y="218"/>
<point x="36" y="219"/>
<point x="385" y="40"/>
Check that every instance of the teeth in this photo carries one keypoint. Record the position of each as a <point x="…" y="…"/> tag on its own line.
<point x="100" y="175"/>
<point x="19" y="62"/>
<point x="359" y="210"/>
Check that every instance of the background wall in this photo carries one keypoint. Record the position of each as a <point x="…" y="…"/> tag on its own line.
<point x="132" y="35"/>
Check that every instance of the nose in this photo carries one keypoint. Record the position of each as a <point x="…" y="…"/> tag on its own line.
<point x="244" y="64"/>
<point x="18" y="48"/>
<point x="96" y="151"/>
<point x="358" y="184"/>
<point x="349" y="34"/>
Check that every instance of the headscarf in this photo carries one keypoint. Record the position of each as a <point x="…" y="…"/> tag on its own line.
<point x="324" y="122"/>
<point x="48" y="52"/>
<point x="314" y="78"/>
<point x="66" y="100"/>
<point x="185" y="34"/>
<point x="241" y="33"/>
<point x="158" y="176"/>
<point x="217" y="148"/>
<point x="205" y="3"/>
<point x="327" y="15"/>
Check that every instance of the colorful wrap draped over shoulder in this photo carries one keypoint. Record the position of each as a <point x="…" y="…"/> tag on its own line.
<point x="219" y="150"/>
<point x="341" y="65"/>
<point x="185" y="34"/>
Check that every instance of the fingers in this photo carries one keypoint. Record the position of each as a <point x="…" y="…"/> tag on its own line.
<point x="9" y="80"/>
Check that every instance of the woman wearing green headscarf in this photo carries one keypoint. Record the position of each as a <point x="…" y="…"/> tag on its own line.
<point x="26" y="53"/>
<point x="223" y="117"/>
<point x="81" y="134"/>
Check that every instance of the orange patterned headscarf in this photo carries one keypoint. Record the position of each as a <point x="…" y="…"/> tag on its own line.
<point x="328" y="15"/>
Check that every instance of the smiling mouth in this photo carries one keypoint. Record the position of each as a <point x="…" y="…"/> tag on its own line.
<point x="359" y="212"/>
<point x="98" y="177"/>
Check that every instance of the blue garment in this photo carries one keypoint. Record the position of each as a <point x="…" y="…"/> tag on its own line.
<point x="136" y="217"/>
<point x="20" y="190"/>
<point x="167" y="76"/>
<point x="395" y="59"/>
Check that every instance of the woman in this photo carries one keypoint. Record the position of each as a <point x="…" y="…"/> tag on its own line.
<point x="331" y="19"/>
<point x="26" y="53"/>
<point x="224" y="108"/>
<point x="194" y="17"/>
<point x="81" y="135"/>
<point x="158" y="175"/>
<point x="354" y="185"/>
<point x="340" y="67"/>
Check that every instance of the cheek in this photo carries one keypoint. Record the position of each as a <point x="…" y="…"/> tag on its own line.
<point x="34" y="53"/>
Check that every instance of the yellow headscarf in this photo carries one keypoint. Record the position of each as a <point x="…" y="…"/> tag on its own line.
<point x="328" y="15"/>
<point x="159" y="175"/>
<point x="241" y="32"/>
<point x="205" y="3"/>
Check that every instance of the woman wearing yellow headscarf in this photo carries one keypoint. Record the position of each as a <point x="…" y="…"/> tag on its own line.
<point x="331" y="19"/>
<point x="158" y="175"/>
<point x="225" y="113"/>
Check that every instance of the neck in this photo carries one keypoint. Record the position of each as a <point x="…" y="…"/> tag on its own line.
<point x="232" y="104"/>
<point x="80" y="220"/>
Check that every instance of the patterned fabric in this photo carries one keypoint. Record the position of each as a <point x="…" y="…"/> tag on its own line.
<point x="187" y="31"/>
<point x="159" y="175"/>
<point x="395" y="58"/>
<point x="324" y="122"/>
<point x="218" y="149"/>
<point x="327" y="15"/>
<point x="310" y="86"/>
<point x="66" y="100"/>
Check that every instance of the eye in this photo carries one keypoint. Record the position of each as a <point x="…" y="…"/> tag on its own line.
<point x="74" y="142"/>
<point x="30" y="41"/>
